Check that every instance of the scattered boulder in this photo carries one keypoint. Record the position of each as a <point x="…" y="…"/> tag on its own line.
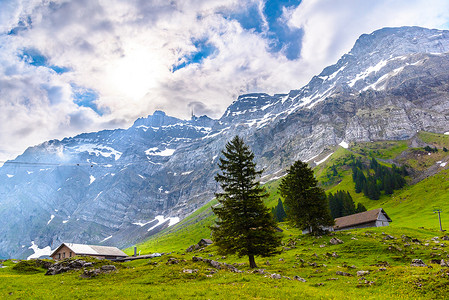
<point x="259" y="271"/>
<point x="389" y="237"/>
<point x="193" y="248"/>
<point x="89" y="273"/>
<point x="108" y="268"/>
<point x="342" y="273"/>
<point x="299" y="278"/>
<point x="190" y="271"/>
<point x="382" y="269"/>
<point x="445" y="238"/>
<point x="67" y="265"/>
<point x="418" y="263"/>
<point x="406" y="238"/>
<point x="216" y="264"/>
<point x="335" y="241"/>
<point x="172" y="261"/>
<point x="362" y="273"/>
<point x="275" y="276"/>
<point x="213" y="263"/>
<point x="444" y="263"/>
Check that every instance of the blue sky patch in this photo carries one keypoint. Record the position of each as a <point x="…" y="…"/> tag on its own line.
<point x="249" y="19"/>
<point x="85" y="98"/>
<point x="204" y="50"/>
<point x="281" y="37"/>
<point x="35" y="58"/>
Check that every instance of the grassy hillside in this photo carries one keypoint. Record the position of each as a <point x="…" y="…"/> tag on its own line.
<point x="412" y="206"/>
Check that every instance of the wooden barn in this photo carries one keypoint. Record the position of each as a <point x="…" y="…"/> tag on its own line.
<point x="205" y="242"/>
<point x="66" y="250"/>
<point x="372" y="218"/>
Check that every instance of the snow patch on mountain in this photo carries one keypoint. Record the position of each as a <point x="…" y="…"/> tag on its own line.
<point x="344" y="144"/>
<point x="368" y="71"/>
<point x="161" y="220"/>
<point x="39" y="252"/>
<point x="51" y="218"/>
<point x="105" y="239"/>
<point x="97" y="150"/>
<point x="323" y="160"/>
<point x="156" y="152"/>
<point x="92" y="179"/>
<point x="98" y="195"/>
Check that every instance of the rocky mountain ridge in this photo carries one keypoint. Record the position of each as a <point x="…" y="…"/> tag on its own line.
<point x="120" y="186"/>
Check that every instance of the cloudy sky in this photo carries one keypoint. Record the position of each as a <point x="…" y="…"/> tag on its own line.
<point x="68" y="67"/>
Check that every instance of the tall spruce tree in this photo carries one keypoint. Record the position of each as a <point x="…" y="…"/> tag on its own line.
<point x="306" y="203"/>
<point x="245" y="225"/>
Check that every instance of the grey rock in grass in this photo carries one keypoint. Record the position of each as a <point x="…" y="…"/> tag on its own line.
<point x="341" y="273"/>
<point x="335" y="241"/>
<point x="172" y="261"/>
<point x="190" y="271"/>
<point x="296" y="277"/>
<point x="193" y="248"/>
<point x="362" y="273"/>
<point x="418" y="263"/>
<point x="275" y="276"/>
<point x="108" y="268"/>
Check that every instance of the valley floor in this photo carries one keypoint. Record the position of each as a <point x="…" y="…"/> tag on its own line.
<point x="329" y="271"/>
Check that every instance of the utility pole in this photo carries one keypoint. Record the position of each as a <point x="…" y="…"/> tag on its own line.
<point x="439" y="217"/>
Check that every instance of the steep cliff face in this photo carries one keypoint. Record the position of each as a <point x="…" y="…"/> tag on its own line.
<point x="120" y="186"/>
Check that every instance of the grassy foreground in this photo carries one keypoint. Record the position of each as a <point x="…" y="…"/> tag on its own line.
<point x="313" y="259"/>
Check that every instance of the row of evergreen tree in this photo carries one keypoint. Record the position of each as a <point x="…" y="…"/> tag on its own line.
<point x="379" y="178"/>
<point x="340" y="205"/>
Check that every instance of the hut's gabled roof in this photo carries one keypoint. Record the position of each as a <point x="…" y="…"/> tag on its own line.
<point x="81" y="249"/>
<point x="360" y="218"/>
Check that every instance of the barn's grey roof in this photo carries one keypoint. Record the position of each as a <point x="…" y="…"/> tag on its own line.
<point x="81" y="249"/>
<point x="360" y="218"/>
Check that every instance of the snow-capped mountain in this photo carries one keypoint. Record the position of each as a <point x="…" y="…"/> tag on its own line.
<point x="120" y="186"/>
